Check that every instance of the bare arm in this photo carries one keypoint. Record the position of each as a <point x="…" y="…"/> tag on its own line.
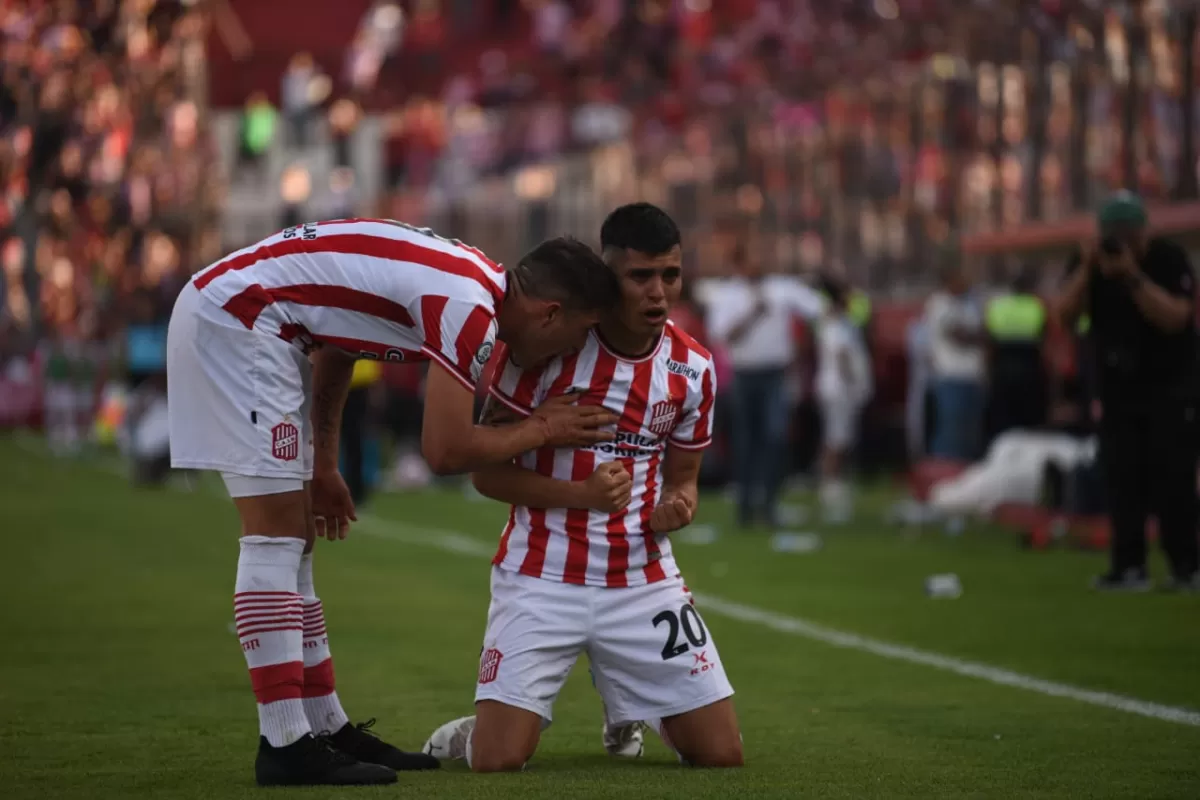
<point x="453" y="444"/>
<point x="681" y="472"/>
<point x="516" y="485"/>
<point x="681" y="493"/>
<point x="331" y="373"/>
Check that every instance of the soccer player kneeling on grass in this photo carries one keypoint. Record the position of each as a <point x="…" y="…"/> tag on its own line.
<point x="584" y="563"/>
<point x="260" y="351"/>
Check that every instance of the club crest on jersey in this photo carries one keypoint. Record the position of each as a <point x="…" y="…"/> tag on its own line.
<point x="285" y="441"/>
<point x="489" y="664"/>
<point x="662" y="417"/>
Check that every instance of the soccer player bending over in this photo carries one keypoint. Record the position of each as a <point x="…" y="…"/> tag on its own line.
<point x="584" y="563"/>
<point x="260" y="350"/>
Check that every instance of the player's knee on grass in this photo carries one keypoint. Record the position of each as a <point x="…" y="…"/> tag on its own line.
<point x="284" y="514"/>
<point x="708" y="736"/>
<point x="504" y="737"/>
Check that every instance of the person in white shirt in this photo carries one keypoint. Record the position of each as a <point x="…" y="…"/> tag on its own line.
<point x="751" y="314"/>
<point x="844" y="385"/>
<point x="916" y="404"/>
<point x="956" y="338"/>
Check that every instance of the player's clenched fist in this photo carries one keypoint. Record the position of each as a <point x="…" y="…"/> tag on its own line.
<point x="610" y="487"/>
<point x="674" y="511"/>
<point x="568" y="425"/>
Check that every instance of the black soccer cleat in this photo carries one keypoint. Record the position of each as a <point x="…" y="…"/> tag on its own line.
<point x="310" y="761"/>
<point x="356" y="741"/>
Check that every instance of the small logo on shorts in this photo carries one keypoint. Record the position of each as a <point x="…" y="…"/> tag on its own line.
<point x="662" y="417"/>
<point x="700" y="663"/>
<point x="489" y="664"/>
<point x="285" y="441"/>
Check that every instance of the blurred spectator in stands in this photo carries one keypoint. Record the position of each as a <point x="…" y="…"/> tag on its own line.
<point x="15" y="314"/>
<point x="299" y="97"/>
<point x="546" y="133"/>
<point x="751" y="315"/>
<point x="422" y="136"/>
<point x="259" y="120"/>
<point x="392" y="125"/>
<point x="377" y="41"/>
<point x="145" y="358"/>
<point x="384" y="27"/>
<point x="1016" y="329"/>
<point x="918" y="403"/>
<point x="551" y="23"/>
<point x="425" y="34"/>
<point x="956" y="342"/>
<point x="598" y="117"/>
<point x="295" y="189"/>
<point x="843" y="387"/>
<point x="363" y="62"/>
<point x="344" y="118"/>
<point x="109" y="174"/>
<point x="68" y="391"/>
<point x="343" y="199"/>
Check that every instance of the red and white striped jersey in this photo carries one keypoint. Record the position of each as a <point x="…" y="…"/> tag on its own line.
<point x="376" y="288"/>
<point x="664" y="397"/>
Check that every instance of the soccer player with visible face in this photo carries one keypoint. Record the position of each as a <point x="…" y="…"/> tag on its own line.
<point x="584" y="563"/>
<point x="260" y="351"/>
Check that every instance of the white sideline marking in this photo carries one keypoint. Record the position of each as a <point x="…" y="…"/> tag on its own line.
<point x="455" y="542"/>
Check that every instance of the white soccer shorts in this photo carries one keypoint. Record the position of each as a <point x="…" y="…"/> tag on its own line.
<point x="238" y="400"/>
<point x="839" y="424"/>
<point x="651" y="653"/>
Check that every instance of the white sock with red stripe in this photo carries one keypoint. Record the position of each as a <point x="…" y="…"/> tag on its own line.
<point x="269" y="618"/>
<point x="321" y="702"/>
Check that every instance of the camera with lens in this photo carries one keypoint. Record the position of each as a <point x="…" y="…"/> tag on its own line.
<point x="1111" y="245"/>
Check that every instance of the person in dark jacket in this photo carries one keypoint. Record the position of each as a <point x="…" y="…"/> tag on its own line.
<point x="1139" y="293"/>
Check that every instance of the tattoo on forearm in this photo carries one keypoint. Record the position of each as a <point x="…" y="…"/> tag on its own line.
<point x="331" y="383"/>
<point x="325" y="416"/>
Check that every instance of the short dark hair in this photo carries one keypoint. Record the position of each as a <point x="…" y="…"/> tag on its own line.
<point x="643" y="227"/>
<point x="566" y="270"/>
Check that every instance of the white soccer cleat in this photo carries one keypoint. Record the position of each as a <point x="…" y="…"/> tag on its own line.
<point x="625" y="741"/>
<point x="450" y="740"/>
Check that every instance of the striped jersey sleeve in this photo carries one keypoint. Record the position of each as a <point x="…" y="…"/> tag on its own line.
<point x="518" y="389"/>
<point x="459" y="336"/>
<point x="695" y="427"/>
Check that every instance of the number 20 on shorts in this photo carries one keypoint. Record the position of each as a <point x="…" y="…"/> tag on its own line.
<point x="688" y="618"/>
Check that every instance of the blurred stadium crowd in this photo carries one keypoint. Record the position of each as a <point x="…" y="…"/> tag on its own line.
<point x="855" y="138"/>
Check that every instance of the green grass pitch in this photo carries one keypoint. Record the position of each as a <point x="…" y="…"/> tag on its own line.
<point x="120" y="677"/>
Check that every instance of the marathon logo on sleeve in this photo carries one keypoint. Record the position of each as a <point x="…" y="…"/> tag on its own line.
<point x="679" y="368"/>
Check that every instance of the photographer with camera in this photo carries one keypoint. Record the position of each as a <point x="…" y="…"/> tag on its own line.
<point x="1139" y="292"/>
